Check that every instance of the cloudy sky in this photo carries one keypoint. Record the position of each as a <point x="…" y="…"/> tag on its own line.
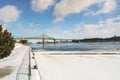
<point x="61" y="18"/>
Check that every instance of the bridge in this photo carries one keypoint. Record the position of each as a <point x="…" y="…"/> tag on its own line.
<point x="46" y="37"/>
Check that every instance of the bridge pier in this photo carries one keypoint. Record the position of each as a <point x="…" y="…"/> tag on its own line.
<point x="43" y="42"/>
<point x="54" y="42"/>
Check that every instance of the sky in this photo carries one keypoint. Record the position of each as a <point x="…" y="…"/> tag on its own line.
<point x="70" y="19"/>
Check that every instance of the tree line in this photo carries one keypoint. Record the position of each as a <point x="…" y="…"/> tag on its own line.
<point x="111" y="39"/>
<point x="7" y="42"/>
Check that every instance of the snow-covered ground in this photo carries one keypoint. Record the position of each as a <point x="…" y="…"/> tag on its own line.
<point x="13" y="61"/>
<point x="78" y="67"/>
<point x="15" y="66"/>
<point x="62" y="65"/>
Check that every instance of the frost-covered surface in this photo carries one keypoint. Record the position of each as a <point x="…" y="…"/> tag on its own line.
<point x="78" y="67"/>
<point x="95" y="52"/>
<point x="19" y="55"/>
<point x="65" y="65"/>
<point x="14" y="61"/>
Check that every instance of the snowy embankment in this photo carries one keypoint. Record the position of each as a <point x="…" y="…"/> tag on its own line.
<point x="11" y="64"/>
<point x="62" y="65"/>
<point x="54" y="66"/>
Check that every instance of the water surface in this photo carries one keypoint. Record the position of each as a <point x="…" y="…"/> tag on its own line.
<point x="77" y="46"/>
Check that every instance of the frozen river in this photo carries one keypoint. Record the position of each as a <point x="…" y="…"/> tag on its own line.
<point x="78" y="67"/>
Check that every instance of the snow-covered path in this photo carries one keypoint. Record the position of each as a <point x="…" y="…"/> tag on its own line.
<point x="78" y="67"/>
<point x="14" y="61"/>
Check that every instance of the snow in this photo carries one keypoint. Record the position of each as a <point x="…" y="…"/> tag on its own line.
<point x="34" y="72"/>
<point x="18" y="60"/>
<point x="14" y="60"/>
<point x="78" y="67"/>
<point x="63" y="65"/>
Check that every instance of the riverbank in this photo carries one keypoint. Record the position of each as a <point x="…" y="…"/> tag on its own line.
<point x="60" y="66"/>
<point x="15" y="66"/>
<point x="10" y="65"/>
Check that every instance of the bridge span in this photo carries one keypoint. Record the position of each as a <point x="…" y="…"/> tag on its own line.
<point x="46" y="37"/>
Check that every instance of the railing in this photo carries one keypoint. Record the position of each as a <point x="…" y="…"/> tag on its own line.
<point x="37" y="66"/>
<point x="24" y="71"/>
<point x="80" y="53"/>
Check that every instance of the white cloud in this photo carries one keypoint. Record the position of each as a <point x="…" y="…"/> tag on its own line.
<point x="34" y="24"/>
<point x="54" y="32"/>
<point x="9" y="13"/>
<point x="109" y="27"/>
<point x="66" y="7"/>
<point x="108" y="6"/>
<point x="22" y="29"/>
<point x="29" y="31"/>
<point x="40" y="5"/>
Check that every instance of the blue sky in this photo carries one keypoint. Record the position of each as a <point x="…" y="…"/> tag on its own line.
<point x="61" y="18"/>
